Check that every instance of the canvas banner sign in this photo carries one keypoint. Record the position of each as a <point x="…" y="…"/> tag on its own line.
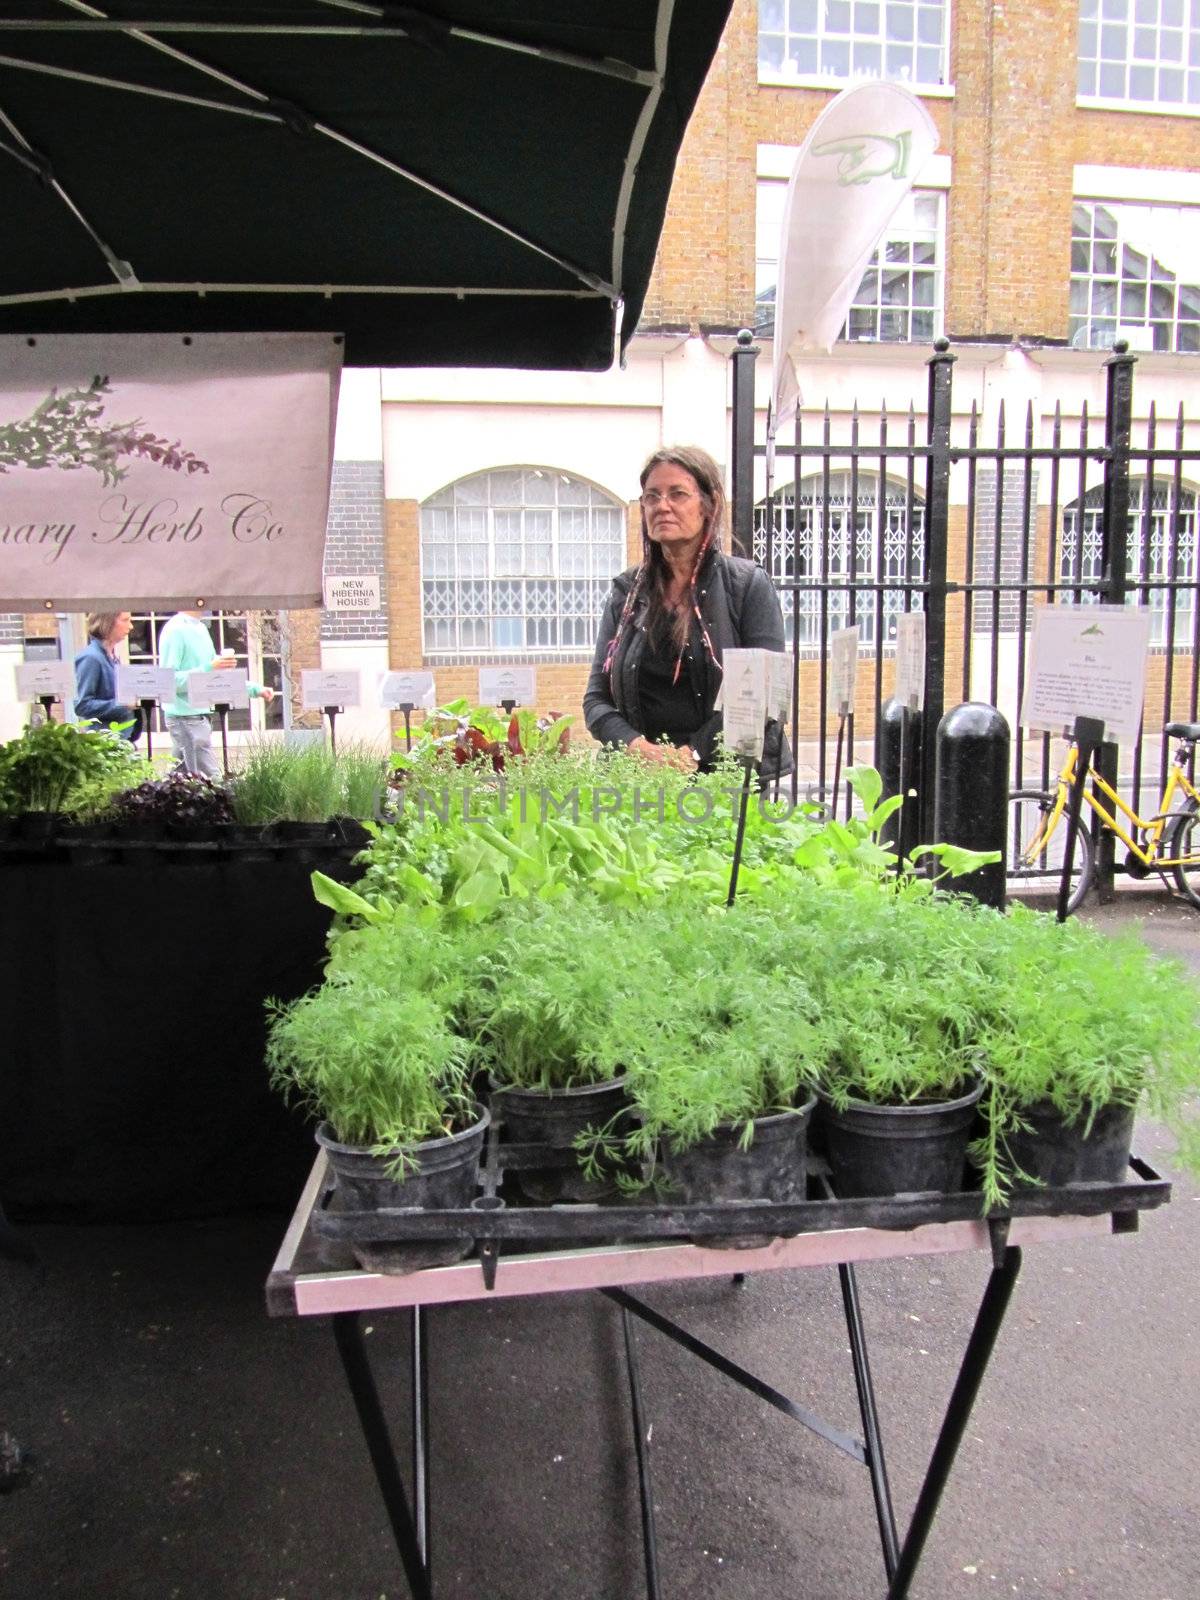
<point x="851" y="175"/>
<point x="155" y="471"/>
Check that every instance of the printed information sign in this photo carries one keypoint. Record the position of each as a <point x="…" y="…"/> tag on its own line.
<point x="144" y="683"/>
<point x="208" y="689"/>
<point x="397" y="689"/>
<point x="319" y="688"/>
<point x="352" y="593"/>
<point x="1087" y="661"/>
<point x="843" y="670"/>
<point x="910" y="660"/>
<point x="498" y="684"/>
<point x="744" y="700"/>
<point x="38" y="678"/>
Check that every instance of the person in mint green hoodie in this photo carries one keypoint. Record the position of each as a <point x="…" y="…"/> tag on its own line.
<point x="185" y="645"/>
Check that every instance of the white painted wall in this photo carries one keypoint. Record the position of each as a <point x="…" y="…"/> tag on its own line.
<point x="12" y="712"/>
<point x="367" y="722"/>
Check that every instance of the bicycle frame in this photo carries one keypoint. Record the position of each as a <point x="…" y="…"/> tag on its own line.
<point x="1152" y="828"/>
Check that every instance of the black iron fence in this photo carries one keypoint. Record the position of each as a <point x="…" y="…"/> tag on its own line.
<point x="867" y="517"/>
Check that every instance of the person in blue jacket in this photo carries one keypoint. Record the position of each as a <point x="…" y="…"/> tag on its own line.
<point x="96" y="674"/>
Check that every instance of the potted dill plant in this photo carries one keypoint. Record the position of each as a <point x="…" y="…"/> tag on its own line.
<point x="1076" y="1030"/>
<point x="897" y="974"/>
<point x="721" y="1069"/>
<point x="542" y="987"/>
<point x="373" y="1053"/>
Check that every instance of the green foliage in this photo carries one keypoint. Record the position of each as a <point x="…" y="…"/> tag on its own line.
<point x="66" y="768"/>
<point x="372" y="1049"/>
<point x="308" y="783"/>
<point x="1083" y="1020"/>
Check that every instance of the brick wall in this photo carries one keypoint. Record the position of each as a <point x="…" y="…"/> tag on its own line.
<point x="1011" y="129"/>
<point x="354" y="544"/>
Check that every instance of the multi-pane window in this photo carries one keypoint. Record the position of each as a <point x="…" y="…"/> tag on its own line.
<point x="904" y="40"/>
<point x="520" y="559"/>
<point x="1146" y="51"/>
<point x="863" y="573"/>
<point x="254" y="640"/>
<point x="1135" y="274"/>
<point x="1161" y="555"/>
<point x="900" y="296"/>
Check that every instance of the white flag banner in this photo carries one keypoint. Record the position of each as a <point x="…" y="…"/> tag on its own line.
<point x="158" y="471"/>
<point x="851" y="176"/>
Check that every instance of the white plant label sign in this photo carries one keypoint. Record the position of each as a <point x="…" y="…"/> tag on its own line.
<point x="398" y="689"/>
<point x="38" y="678"/>
<point x="779" y="697"/>
<point x="319" y="688"/>
<point x="144" y="683"/>
<point x="208" y="689"/>
<point x="1087" y="661"/>
<point x="498" y="684"/>
<point x="745" y="699"/>
<point x="843" y="670"/>
<point x="910" y="660"/>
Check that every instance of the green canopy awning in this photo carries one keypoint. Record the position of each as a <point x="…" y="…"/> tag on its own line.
<point x="458" y="185"/>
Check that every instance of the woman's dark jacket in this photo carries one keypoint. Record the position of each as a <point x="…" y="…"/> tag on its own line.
<point x="96" y="690"/>
<point x="740" y="610"/>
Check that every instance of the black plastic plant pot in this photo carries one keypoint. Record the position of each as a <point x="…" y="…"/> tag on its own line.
<point x="906" y="1149"/>
<point x="88" y="844"/>
<point x="245" y="841"/>
<point x="350" y="831"/>
<point x="444" y="1176"/>
<point x="774" y="1166"/>
<point x="551" y="1119"/>
<point x="300" y="833"/>
<point x="1055" y="1152"/>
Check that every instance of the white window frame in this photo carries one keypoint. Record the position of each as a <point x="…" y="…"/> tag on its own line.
<point x="821" y="79"/>
<point x="243" y="722"/>
<point x="796" y="551"/>
<point x="1142" y="33"/>
<point x="1133" y="315"/>
<point x="453" y="560"/>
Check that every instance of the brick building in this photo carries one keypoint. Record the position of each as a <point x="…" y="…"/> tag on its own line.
<point x="1061" y="211"/>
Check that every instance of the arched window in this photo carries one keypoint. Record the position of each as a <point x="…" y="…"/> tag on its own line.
<point x="518" y="561"/>
<point x="811" y="546"/>
<point x="1162" y="547"/>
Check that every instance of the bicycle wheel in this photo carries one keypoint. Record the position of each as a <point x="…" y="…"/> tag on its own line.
<point x="1185" y="841"/>
<point x="1034" y="862"/>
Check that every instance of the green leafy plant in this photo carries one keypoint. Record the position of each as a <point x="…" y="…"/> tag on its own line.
<point x="1081" y="1020"/>
<point x="308" y="783"/>
<point x="373" y="1050"/>
<point x="59" y="767"/>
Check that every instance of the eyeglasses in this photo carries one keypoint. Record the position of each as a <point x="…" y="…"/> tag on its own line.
<point x="674" y="497"/>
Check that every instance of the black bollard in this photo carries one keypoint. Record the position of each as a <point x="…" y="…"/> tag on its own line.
<point x="900" y="743"/>
<point x="970" y="805"/>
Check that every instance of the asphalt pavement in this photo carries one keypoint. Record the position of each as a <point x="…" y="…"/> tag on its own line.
<point x="184" y="1446"/>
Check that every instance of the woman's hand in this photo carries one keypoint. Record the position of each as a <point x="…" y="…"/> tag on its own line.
<point x="664" y="755"/>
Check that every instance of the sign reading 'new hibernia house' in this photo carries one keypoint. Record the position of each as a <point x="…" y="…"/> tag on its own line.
<point x="155" y="471"/>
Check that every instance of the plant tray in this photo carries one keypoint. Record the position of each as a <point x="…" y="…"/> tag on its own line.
<point x="495" y="1223"/>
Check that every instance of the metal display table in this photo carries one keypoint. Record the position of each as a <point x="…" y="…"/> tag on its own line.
<point x="835" y="1233"/>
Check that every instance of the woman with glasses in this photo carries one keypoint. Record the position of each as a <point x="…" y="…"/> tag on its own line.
<point x="657" y="666"/>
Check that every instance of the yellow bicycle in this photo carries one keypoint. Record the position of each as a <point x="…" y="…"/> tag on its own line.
<point x="1169" y="841"/>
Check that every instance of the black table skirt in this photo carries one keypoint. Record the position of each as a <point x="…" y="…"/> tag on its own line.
<point x="132" y="1026"/>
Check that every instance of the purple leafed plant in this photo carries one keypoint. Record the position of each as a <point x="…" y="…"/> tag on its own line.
<point x="67" y="431"/>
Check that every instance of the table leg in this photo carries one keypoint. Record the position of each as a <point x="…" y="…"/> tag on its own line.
<point x="872" y="1437"/>
<point x="988" y="1320"/>
<point x="641" y="1443"/>
<point x="348" y="1335"/>
<point x="420" y="1431"/>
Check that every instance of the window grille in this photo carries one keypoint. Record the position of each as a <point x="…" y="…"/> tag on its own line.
<point x="518" y="561"/>
<point x="1151" y="559"/>
<point x="811" y="548"/>
<point x="904" y="40"/>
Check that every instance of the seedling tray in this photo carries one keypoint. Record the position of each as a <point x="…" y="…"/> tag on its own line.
<point x="496" y="1222"/>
